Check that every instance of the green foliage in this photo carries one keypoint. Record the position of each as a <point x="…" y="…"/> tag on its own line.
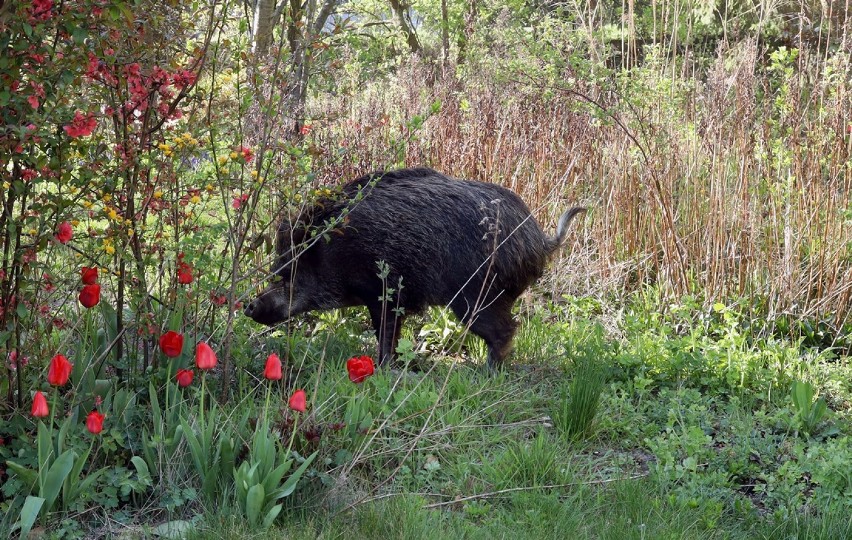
<point x="578" y="400"/>
<point x="809" y="412"/>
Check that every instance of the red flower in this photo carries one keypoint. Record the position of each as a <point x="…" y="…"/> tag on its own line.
<point x="81" y="126"/>
<point x="305" y="129"/>
<point x="59" y="371"/>
<point x="298" y="401"/>
<point x="184" y="273"/>
<point x="90" y="295"/>
<point x="64" y="232"/>
<point x="40" y="409"/>
<point x="88" y="275"/>
<point x="171" y="343"/>
<point x="95" y="422"/>
<point x="359" y="368"/>
<point x="273" y="368"/>
<point x="247" y="153"/>
<point x="205" y="358"/>
<point x="184" y="377"/>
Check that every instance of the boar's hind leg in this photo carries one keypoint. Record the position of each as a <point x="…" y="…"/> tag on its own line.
<point x="388" y="326"/>
<point x="496" y="326"/>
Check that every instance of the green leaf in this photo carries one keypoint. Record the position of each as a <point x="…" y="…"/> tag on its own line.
<point x="28" y="476"/>
<point x="273" y="479"/>
<point x="29" y="514"/>
<point x="254" y="503"/>
<point x="142" y="470"/>
<point x="290" y="485"/>
<point x="271" y="515"/>
<point x="56" y="477"/>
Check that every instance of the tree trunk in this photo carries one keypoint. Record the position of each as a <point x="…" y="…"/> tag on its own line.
<point x="445" y="37"/>
<point x="410" y="36"/>
<point x="265" y="18"/>
<point x="300" y="37"/>
<point x="465" y="35"/>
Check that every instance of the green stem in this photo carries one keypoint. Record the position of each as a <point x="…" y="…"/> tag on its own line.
<point x="293" y="434"/>
<point x="203" y="390"/>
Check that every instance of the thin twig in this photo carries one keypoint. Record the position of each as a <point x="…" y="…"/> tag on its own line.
<point x="529" y="488"/>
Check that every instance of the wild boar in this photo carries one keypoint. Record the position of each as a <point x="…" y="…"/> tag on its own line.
<point x="472" y="246"/>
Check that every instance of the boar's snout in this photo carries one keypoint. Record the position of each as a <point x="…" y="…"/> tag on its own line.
<point x="263" y="311"/>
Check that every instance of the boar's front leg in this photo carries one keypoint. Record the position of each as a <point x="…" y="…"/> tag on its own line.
<point x="388" y="326"/>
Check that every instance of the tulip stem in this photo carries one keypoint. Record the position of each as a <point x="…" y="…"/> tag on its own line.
<point x="203" y="390"/>
<point x="293" y="434"/>
<point x="53" y="410"/>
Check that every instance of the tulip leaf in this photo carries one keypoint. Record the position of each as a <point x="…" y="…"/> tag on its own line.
<point x="273" y="479"/>
<point x="290" y="485"/>
<point x="254" y="503"/>
<point x="271" y="515"/>
<point x="56" y="477"/>
<point x="29" y="514"/>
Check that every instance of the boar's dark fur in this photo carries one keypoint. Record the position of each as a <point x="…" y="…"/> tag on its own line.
<point x="471" y="245"/>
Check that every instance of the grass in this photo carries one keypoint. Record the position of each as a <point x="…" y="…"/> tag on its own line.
<point x="680" y="446"/>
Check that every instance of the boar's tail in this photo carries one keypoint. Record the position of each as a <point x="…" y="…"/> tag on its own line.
<point x="562" y="226"/>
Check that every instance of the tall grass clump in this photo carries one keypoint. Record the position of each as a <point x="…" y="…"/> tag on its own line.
<point x="579" y="399"/>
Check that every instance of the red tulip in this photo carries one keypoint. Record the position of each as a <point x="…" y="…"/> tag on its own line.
<point x="359" y="368"/>
<point x="89" y="275"/>
<point x="184" y="377"/>
<point x="273" y="368"/>
<point x="90" y="295"/>
<point x="298" y="401"/>
<point x="205" y="358"/>
<point x="95" y="422"/>
<point x="59" y="371"/>
<point x="40" y="409"/>
<point x="171" y="343"/>
<point x="64" y="232"/>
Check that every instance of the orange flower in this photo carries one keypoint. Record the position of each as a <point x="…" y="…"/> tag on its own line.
<point x="59" y="371"/>
<point x="40" y="409"/>
<point x="90" y="295"/>
<point x="359" y="368"/>
<point x="95" y="422"/>
<point x="273" y="368"/>
<point x="205" y="358"/>
<point x="298" y="401"/>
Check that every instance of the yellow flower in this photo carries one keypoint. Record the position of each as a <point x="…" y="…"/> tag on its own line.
<point x="254" y="174"/>
<point x="209" y="188"/>
<point x="193" y="141"/>
<point x="106" y="197"/>
<point x="158" y="194"/>
<point x="129" y="232"/>
<point x="195" y="199"/>
<point x="87" y="204"/>
<point x="109" y="249"/>
<point x="75" y="222"/>
<point x="112" y="214"/>
<point x="128" y="222"/>
<point x="234" y="155"/>
<point x="223" y="159"/>
<point x="33" y="232"/>
<point x="6" y="185"/>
